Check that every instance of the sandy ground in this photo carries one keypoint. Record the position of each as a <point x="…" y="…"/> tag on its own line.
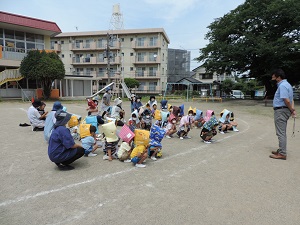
<point x="232" y="181"/>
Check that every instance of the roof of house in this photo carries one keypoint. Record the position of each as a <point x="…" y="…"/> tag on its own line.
<point x="190" y="79"/>
<point x="14" y="21"/>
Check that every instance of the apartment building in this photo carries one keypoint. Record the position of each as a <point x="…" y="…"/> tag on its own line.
<point x="95" y="59"/>
<point x="18" y="35"/>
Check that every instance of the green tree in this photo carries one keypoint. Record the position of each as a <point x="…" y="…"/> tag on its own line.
<point x="257" y="36"/>
<point x="227" y="85"/>
<point x="131" y="83"/>
<point x="44" y="67"/>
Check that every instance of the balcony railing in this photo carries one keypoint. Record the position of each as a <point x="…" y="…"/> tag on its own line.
<point x="146" y="74"/>
<point x="93" y="45"/>
<point x="95" y="60"/>
<point x="145" y="60"/>
<point x="145" y="44"/>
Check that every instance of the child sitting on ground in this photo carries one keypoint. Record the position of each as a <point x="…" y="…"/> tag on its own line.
<point x="185" y="125"/>
<point x="198" y="119"/>
<point x="134" y="122"/>
<point x="225" y="123"/>
<point x="171" y="127"/>
<point x="89" y="143"/>
<point x="125" y="151"/>
<point x="138" y="156"/>
<point x="41" y="110"/>
<point x="146" y="121"/>
<point x="209" y="129"/>
<point x="155" y="146"/>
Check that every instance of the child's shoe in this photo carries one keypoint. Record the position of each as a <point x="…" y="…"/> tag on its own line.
<point x="186" y="137"/>
<point x="181" y="138"/>
<point x="91" y="154"/>
<point x="168" y="136"/>
<point x="153" y="158"/>
<point x="105" y="157"/>
<point x="127" y="160"/>
<point x="234" y="129"/>
<point x="140" y="165"/>
<point x="222" y="132"/>
<point x="207" y="142"/>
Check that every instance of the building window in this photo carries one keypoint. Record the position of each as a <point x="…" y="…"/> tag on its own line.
<point x="62" y="42"/>
<point x="152" y="71"/>
<point x="152" y="86"/>
<point x="207" y="76"/>
<point x="152" y="56"/>
<point x="141" y="56"/>
<point x="20" y="35"/>
<point x="140" y="71"/>
<point x="141" y="86"/>
<point x="131" y="39"/>
<point x="141" y="41"/>
<point x="131" y="68"/>
<point x="131" y="53"/>
<point x="10" y="34"/>
<point x="153" y="41"/>
<point x="62" y="55"/>
<point x="30" y="37"/>
<point x="122" y="39"/>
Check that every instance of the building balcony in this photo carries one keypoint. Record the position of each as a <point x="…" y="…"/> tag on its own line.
<point x="145" y="75"/>
<point x="95" y="61"/>
<point x="94" y="45"/>
<point x="57" y="47"/>
<point x="145" y="45"/>
<point x="145" y="60"/>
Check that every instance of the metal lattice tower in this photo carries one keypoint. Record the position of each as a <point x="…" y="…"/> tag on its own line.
<point x="116" y="21"/>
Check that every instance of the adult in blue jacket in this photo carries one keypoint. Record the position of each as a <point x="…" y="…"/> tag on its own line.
<point x="62" y="149"/>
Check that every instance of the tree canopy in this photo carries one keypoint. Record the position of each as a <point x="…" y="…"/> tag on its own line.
<point x="257" y="36"/>
<point x="43" y="66"/>
<point x="131" y="83"/>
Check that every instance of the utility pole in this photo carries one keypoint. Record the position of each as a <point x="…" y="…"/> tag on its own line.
<point x="108" y="57"/>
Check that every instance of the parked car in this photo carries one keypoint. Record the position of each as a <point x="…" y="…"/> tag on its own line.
<point x="237" y="94"/>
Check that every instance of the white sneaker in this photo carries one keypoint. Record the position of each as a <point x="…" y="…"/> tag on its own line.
<point x="187" y="137"/>
<point x="127" y="160"/>
<point x="236" y="130"/>
<point x="140" y="165"/>
<point x="181" y="138"/>
<point x="153" y="158"/>
<point x="207" y="142"/>
<point x="222" y="132"/>
<point x="92" y="154"/>
<point x="168" y="136"/>
<point x="105" y="157"/>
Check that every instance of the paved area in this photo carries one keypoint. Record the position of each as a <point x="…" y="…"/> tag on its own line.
<point x="232" y="181"/>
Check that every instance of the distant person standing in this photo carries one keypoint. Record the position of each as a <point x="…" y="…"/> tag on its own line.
<point x="105" y="104"/>
<point x="283" y="109"/>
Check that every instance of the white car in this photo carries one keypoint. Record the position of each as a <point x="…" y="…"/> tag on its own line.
<point x="237" y="94"/>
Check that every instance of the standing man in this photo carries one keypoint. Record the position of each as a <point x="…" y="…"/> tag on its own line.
<point x="283" y="109"/>
<point x="105" y="104"/>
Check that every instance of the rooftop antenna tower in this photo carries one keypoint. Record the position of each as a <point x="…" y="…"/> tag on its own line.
<point x="116" y="21"/>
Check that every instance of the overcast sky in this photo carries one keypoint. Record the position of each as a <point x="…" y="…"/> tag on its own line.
<point x="185" y="21"/>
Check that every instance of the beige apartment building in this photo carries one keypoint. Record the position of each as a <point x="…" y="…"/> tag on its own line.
<point x="95" y="59"/>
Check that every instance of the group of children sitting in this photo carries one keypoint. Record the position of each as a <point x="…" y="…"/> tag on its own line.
<point x="143" y="133"/>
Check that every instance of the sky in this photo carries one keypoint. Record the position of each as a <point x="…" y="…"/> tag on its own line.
<point x="185" y="21"/>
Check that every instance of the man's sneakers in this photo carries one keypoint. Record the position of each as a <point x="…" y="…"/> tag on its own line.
<point x="140" y="165"/>
<point x="64" y="167"/>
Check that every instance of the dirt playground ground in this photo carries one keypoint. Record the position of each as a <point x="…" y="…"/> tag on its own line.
<point x="232" y="181"/>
